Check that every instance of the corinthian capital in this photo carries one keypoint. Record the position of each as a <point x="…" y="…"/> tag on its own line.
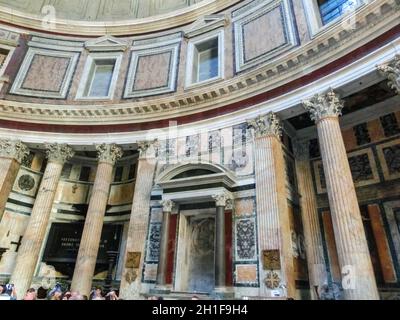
<point x="266" y="125"/>
<point x="167" y="205"/>
<point x="109" y="153"/>
<point x="222" y="199"/>
<point x="324" y="105"/>
<point x="392" y="72"/>
<point x="13" y="149"/>
<point x="59" y="153"/>
<point x="145" y="146"/>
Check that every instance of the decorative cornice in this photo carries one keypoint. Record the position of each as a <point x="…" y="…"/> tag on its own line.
<point x="14" y="149"/>
<point x="324" y="105"/>
<point x="301" y="150"/>
<point x="268" y="125"/>
<point x="167" y="205"/>
<point x="59" y="153"/>
<point x="109" y="153"/>
<point x="222" y="199"/>
<point x="392" y="72"/>
<point x="106" y="43"/>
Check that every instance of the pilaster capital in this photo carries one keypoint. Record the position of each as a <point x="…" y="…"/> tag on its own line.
<point x="223" y="199"/>
<point x="109" y="153"/>
<point x="59" y="153"/>
<point x="14" y="149"/>
<point x="324" y="105"/>
<point x="301" y="149"/>
<point x="147" y="148"/>
<point x="266" y="125"/>
<point x="167" y="205"/>
<point x="391" y="71"/>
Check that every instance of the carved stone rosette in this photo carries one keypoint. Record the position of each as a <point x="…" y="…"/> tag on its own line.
<point x="266" y="125"/>
<point x="324" y="105"/>
<point x="392" y="72"/>
<point x="59" y="153"/>
<point x="222" y="199"/>
<point x="13" y="149"/>
<point x="109" y="153"/>
<point x="167" y="205"/>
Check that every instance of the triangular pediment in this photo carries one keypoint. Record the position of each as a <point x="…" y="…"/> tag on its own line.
<point x="206" y="24"/>
<point x="106" y="43"/>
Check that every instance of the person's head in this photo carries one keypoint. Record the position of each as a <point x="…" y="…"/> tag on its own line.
<point x="41" y="293"/>
<point x="57" y="295"/>
<point x="66" y="296"/>
<point x="30" y="294"/>
<point x="1" y="289"/>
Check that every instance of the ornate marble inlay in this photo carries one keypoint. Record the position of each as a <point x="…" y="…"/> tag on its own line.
<point x="246" y="239"/>
<point x="392" y="158"/>
<point x="153" y="251"/>
<point x="360" y="167"/>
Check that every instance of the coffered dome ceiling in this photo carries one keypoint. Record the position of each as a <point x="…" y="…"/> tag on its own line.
<point x="117" y="16"/>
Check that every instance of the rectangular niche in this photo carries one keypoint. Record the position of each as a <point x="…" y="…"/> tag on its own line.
<point x="262" y="31"/>
<point x="45" y="73"/>
<point x="153" y="69"/>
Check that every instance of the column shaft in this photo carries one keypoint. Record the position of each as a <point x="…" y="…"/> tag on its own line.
<point x="32" y="240"/>
<point x="220" y="258"/>
<point x="311" y="226"/>
<point x="354" y="257"/>
<point x="138" y="225"/>
<point x="8" y="172"/>
<point x="272" y="208"/>
<point x="90" y="242"/>
<point x="162" y="263"/>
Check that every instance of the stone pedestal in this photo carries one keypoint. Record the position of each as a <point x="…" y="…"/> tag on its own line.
<point x="90" y="242"/>
<point x="272" y="208"/>
<point x="33" y="238"/>
<point x="11" y="155"/>
<point x="138" y="225"/>
<point x="358" y="278"/>
<point x="162" y="261"/>
<point x="309" y="213"/>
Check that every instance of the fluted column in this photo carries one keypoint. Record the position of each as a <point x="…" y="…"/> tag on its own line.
<point x="391" y="71"/>
<point x="309" y="213"/>
<point x="220" y="257"/>
<point x="274" y="234"/>
<point x="11" y="155"/>
<point x="90" y="242"/>
<point x="162" y="262"/>
<point x="354" y="258"/>
<point x="32" y="240"/>
<point x="137" y="232"/>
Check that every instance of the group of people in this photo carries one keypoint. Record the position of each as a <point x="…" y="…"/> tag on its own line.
<point x="8" y="292"/>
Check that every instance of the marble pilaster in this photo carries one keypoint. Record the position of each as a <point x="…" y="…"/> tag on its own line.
<point x="11" y="155"/>
<point x="358" y="278"/>
<point x="162" y="262"/>
<point x="272" y="206"/>
<point x="138" y="225"/>
<point x="309" y="213"/>
<point x="32" y="240"/>
<point x="108" y="154"/>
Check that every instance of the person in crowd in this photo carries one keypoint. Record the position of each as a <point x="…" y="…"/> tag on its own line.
<point x="3" y="293"/>
<point x="112" y="295"/>
<point x="56" y="296"/>
<point x="30" y="294"/>
<point x="41" y="294"/>
<point x="66" y="295"/>
<point x="96" y="294"/>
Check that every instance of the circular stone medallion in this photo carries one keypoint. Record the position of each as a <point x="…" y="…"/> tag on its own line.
<point x="26" y="182"/>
